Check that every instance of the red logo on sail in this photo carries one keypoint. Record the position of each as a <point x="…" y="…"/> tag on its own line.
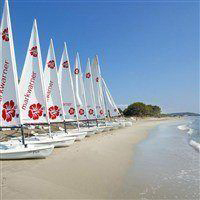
<point x="81" y="111"/>
<point x="91" y="111"/>
<point x="71" y="111"/>
<point x="8" y="111"/>
<point x="97" y="79"/>
<point x="51" y="64"/>
<point x="101" y="112"/>
<point x="35" y="111"/>
<point x="34" y="51"/>
<point x="76" y="71"/>
<point x="54" y="112"/>
<point x="5" y="35"/>
<point x="65" y="64"/>
<point x="88" y="75"/>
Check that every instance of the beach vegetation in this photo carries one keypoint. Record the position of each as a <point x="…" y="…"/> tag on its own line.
<point x="140" y="109"/>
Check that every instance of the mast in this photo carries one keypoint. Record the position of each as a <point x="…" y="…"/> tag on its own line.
<point x="107" y="112"/>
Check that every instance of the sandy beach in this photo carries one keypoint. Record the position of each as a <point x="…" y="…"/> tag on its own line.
<point x="131" y="67"/>
<point x="91" y="169"/>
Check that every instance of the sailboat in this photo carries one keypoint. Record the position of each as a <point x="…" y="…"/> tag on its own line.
<point x="53" y="94"/>
<point x="79" y="91"/>
<point x="32" y="99"/>
<point x="10" y="115"/>
<point x="90" y="98"/>
<point x="81" y="97"/>
<point x="111" y="107"/>
<point x="99" y="98"/>
<point x="97" y="85"/>
<point x="112" y="110"/>
<point x="89" y="93"/>
<point x="68" y="96"/>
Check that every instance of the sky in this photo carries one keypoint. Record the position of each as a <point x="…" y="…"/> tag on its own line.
<point x="148" y="50"/>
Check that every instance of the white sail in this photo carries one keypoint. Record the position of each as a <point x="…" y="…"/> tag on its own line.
<point x="79" y="90"/>
<point x="9" y="97"/>
<point x="53" y="95"/>
<point x="89" y="92"/>
<point x="98" y="93"/>
<point x="67" y="87"/>
<point x="111" y="107"/>
<point x="31" y="87"/>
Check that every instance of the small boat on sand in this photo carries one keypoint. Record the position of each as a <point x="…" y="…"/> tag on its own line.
<point x="69" y="135"/>
<point x="19" y="151"/>
<point x="55" y="140"/>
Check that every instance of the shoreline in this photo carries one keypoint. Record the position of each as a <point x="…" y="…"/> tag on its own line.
<point x="92" y="168"/>
<point x="164" y="166"/>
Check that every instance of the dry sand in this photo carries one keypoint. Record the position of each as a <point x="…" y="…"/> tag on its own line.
<point x="91" y="169"/>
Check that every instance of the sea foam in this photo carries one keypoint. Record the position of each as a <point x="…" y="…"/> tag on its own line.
<point x="183" y="127"/>
<point x="195" y="145"/>
<point x="190" y="131"/>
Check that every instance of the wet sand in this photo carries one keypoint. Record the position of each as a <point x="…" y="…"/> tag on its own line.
<point x="94" y="168"/>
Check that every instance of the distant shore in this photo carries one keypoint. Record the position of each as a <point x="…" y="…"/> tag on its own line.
<point x="91" y="169"/>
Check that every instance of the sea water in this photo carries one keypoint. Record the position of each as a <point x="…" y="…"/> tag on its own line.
<point x="165" y="165"/>
<point x="192" y="129"/>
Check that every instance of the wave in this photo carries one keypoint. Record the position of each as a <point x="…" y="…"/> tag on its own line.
<point x="183" y="127"/>
<point x="195" y="145"/>
<point x="191" y="131"/>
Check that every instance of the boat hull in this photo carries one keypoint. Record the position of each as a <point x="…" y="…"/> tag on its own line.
<point x="107" y="128"/>
<point x="122" y="124"/>
<point x="29" y="152"/>
<point x="115" y="127"/>
<point x="128" y="124"/>
<point x="100" y="129"/>
<point x="79" y="136"/>
<point x="90" y="133"/>
<point x="56" y="141"/>
<point x="74" y="133"/>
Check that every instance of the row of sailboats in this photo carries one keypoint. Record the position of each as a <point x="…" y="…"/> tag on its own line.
<point x="52" y="96"/>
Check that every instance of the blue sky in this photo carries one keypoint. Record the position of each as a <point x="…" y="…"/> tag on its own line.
<point x="148" y="51"/>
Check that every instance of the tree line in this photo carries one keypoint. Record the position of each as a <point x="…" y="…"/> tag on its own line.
<point x="139" y="109"/>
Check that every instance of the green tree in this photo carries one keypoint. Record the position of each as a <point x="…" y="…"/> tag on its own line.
<point x="136" y="109"/>
<point x="156" y="111"/>
<point x="149" y="110"/>
<point x="140" y="109"/>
